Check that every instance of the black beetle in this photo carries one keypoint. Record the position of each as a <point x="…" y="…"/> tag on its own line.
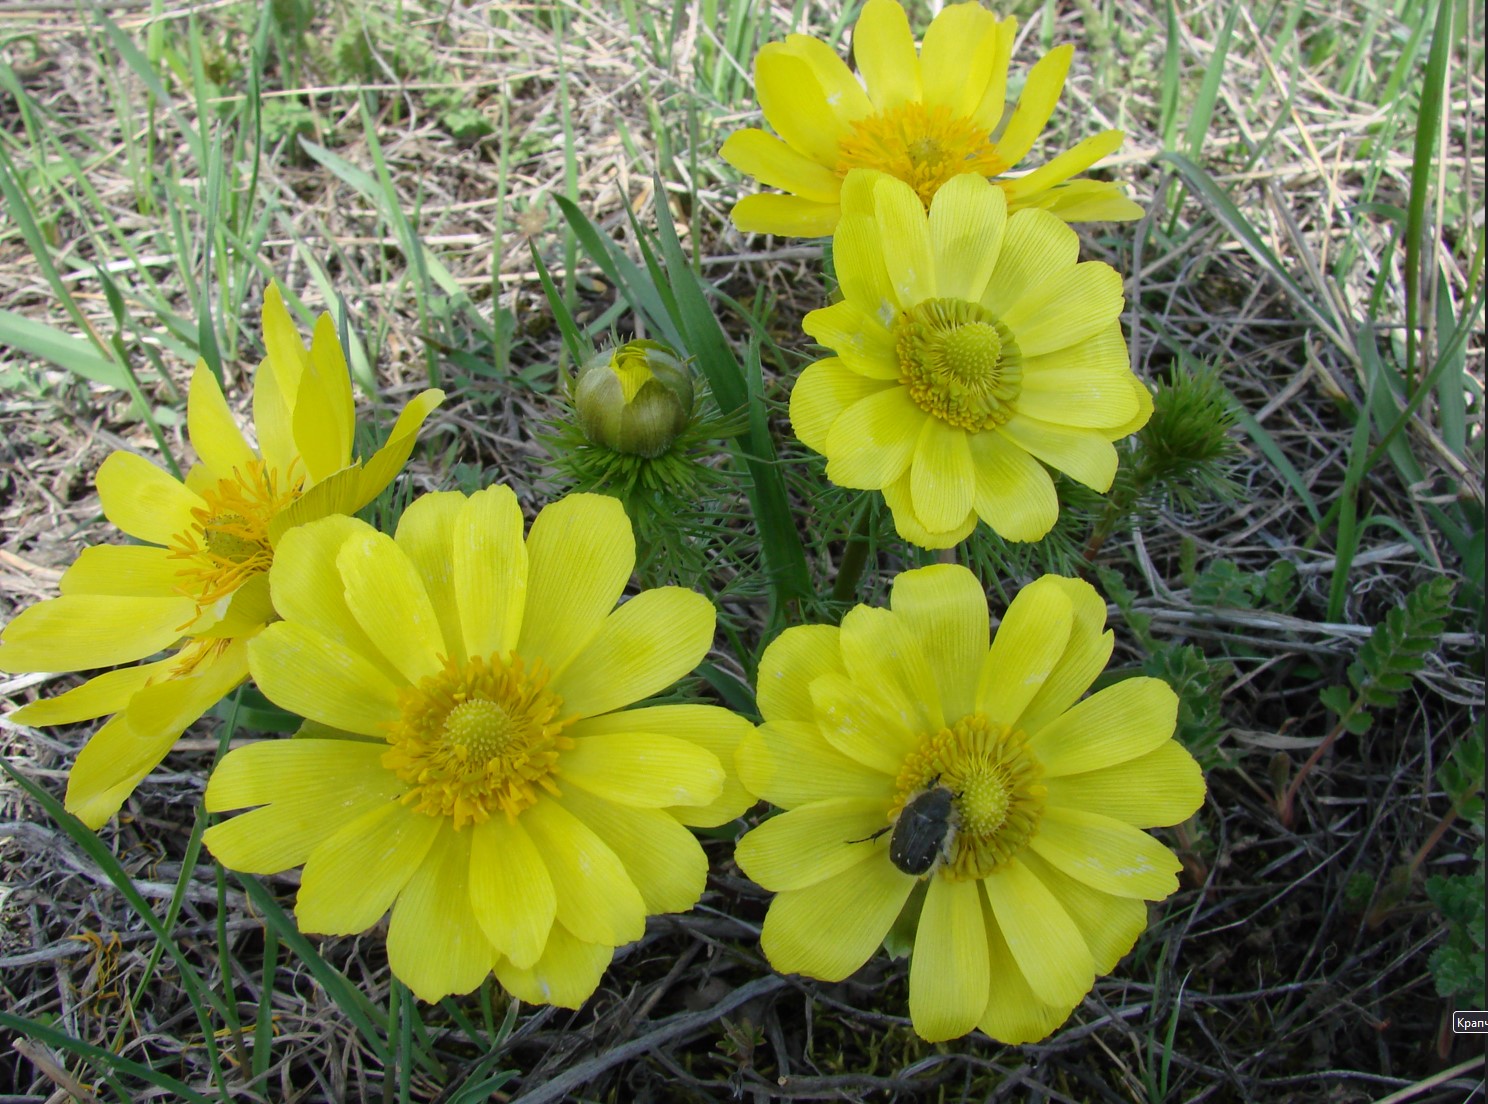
<point x="924" y="830"/>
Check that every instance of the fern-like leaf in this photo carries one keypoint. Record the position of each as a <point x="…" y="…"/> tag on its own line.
<point x="1397" y="648"/>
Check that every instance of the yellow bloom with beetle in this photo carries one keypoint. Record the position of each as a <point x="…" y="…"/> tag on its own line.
<point x="492" y="788"/>
<point x="198" y="584"/>
<point x="969" y="346"/>
<point x="922" y="118"/>
<point x="963" y="790"/>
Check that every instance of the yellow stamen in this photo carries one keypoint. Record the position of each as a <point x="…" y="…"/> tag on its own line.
<point x="477" y="739"/>
<point x="960" y="363"/>
<point x="923" y="146"/>
<point x="995" y="780"/>
<point x="229" y="542"/>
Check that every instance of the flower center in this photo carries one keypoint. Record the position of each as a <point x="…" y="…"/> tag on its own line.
<point x="995" y="780"/>
<point x="228" y="543"/>
<point x="923" y="146"/>
<point x="477" y="739"/>
<point x="959" y="363"/>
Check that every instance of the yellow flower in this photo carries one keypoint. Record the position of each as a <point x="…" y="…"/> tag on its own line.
<point x="1024" y="868"/>
<point x="198" y="584"/>
<point x="922" y="119"/>
<point x="493" y="793"/>
<point x="969" y="346"/>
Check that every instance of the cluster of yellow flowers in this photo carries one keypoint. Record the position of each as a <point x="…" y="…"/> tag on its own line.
<point x="471" y="759"/>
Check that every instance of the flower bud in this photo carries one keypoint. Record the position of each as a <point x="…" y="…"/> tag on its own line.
<point x="634" y="399"/>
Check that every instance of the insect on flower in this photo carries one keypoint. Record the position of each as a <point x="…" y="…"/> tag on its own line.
<point x="924" y="832"/>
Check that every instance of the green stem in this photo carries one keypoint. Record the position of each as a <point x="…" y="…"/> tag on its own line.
<point x="855" y="556"/>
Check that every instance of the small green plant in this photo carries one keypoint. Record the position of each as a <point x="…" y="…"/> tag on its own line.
<point x="1386" y="663"/>
<point x="1457" y="965"/>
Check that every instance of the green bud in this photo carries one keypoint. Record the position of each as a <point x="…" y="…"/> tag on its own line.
<point x="635" y="399"/>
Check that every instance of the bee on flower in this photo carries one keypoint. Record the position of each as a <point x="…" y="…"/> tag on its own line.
<point x="922" y="118"/>
<point x="934" y="782"/>
<point x="197" y="584"/>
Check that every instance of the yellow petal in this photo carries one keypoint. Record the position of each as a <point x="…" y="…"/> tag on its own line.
<point x="948" y="972"/>
<point x="881" y="650"/>
<point x="845" y="96"/>
<point x="384" y="594"/>
<point x="490" y="571"/>
<point x="1079" y="397"/>
<point x="1048" y="947"/>
<point x="135" y="570"/>
<point x="1082" y="454"/>
<point x="790" y="763"/>
<point x="989" y="110"/>
<point x="324" y="420"/>
<point x="1119" y="723"/>
<point x="1014" y="1012"/>
<point x="144" y="501"/>
<point x="958" y="58"/>
<point x="871" y="443"/>
<point x="353" y="876"/>
<point x="580" y="554"/>
<point x="282" y="835"/>
<point x="946" y="611"/>
<point x="274" y="386"/>
<point x="437" y="899"/>
<point x="1143" y="399"/>
<point x="1085" y="656"/>
<point x="78" y="631"/>
<point x="857" y="336"/>
<point x="1083" y="201"/>
<point x="1109" y="925"/>
<point x="643" y="769"/>
<point x="105" y="693"/>
<point x="1036" y="249"/>
<point x="905" y="233"/>
<point x="968" y="218"/>
<point x="1027" y="645"/>
<point x="788" y="666"/>
<point x="1106" y="854"/>
<point x="1163" y="787"/>
<point x="786" y="216"/>
<point x="336" y="494"/>
<point x="644" y="646"/>
<point x="821" y="393"/>
<point x="308" y="589"/>
<point x="1040" y="94"/>
<point x="941" y="476"/>
<point x="815" y="842"/>
<point x="596" y="900"/>
<point x="709" y="727"/>
<point x="830" y="929"/>
<point x="302" y="771"/>
<point x="129" y="747"/>
<point x="775" y="165"/>
<point x="1106" y="352"/>
<point x="885" y="51"/>
<point x="388" y="461"/>
<point x="566" y="975"/>
<point x="660" y="856"/>
<point x="308" y="673"/>
<point x="214" y="431"/>
<point x="510" y="890"/>
<point x="857" y="251"/>
<point x="793" y="101"/>
<point x="908" y="525"/>
<point x="1078" y="303"/>
<point x="1074" y="160"/>
<point x="1013" y="493"/>
<point x="860" y="723"/>
<point x="426" y="534"/>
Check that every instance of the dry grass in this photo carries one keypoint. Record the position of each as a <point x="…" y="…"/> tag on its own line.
<point x="1264" y="979"/>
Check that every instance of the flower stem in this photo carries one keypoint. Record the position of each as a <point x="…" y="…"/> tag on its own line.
<point x="855" y="556"/>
